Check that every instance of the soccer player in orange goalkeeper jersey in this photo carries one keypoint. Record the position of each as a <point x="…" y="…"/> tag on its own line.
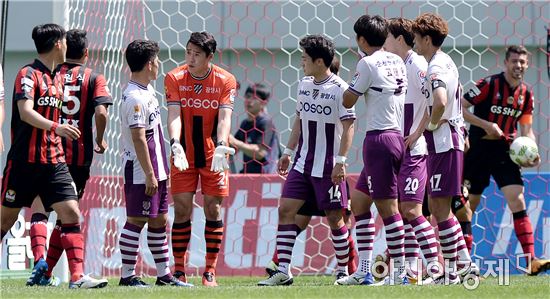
<point x="200" y="99"/>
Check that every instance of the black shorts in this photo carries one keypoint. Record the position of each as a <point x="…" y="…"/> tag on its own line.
<point x="23" y="181"/>
<point x="486" y="158"/>
<point x="80" y="175"/>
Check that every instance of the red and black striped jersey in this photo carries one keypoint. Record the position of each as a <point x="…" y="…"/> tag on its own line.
<point x="83" y="91"/>
<point x="496" y="101"/>
<point x="37" y="83"/>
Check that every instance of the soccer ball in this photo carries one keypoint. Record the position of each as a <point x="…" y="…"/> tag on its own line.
<point x="523" y="150"/>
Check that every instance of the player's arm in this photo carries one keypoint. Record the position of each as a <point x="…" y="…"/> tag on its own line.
<point x="101" y="117"/>
<point x="224" y="124"/>
<point x="257" y="151"/>
<point x="439" y="93"/>
<point x="350" y="99"/>
<point x="412" y="138"/>
<point x="339" y="170"/>
<point x="284" y="161"/>
<point x="142" y="153"/>
<point x="33" y="118"/>
<point x="492" y="129"/>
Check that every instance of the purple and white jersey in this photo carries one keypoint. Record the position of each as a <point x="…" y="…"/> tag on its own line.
<point x="442" y="68"/>
<point x="320" y="108"/>
<point x="140" y="109"/>
<point x="415" y="100"/>
<point x="382" y="77"/>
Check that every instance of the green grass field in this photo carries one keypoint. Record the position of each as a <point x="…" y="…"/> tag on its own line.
<point x="303" y="287"/>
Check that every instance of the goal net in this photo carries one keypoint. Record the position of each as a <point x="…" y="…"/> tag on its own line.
<point x="258" y="42"/>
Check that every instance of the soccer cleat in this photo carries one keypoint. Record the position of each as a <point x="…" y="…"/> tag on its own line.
<point x="341" y="275"/>
<point x="88" y="282"/>
<point x="133" y="281"/>
<point x="441" y="280"/>
<point x="539" y="266"/>
<point x="49" y="281"/>
<point x="172" y="281"/>
<point x="277" y="279"/>
<point x="388" y="280"/>
<point x="40" y="268"/>
<point x="353" y="279"/>
<point x="271" y="268"/>
<point x="368" y="279"/>
<point x="181" y="276"/>
<point x="209" y="279"/>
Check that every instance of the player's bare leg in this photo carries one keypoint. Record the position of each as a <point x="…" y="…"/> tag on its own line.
<point x="181" y="231"/>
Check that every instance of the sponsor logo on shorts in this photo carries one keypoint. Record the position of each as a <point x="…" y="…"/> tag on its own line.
<point x="10" y="195"/>
<point x="146" y="207"/>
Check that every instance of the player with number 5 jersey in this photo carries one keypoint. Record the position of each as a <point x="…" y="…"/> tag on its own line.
<point x="382" y="77"/>
<point x="322" y="133"/>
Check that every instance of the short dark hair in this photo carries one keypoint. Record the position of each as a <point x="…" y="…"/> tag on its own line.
<point x="204" y="40"/>
<point x="318" y="46"/>
<point x="521" y="50"/>
<point x="140" y="52"/>
<point x="45" y="36"/>
<point x="259" y="90"/>
<point x="373" y="29"/>
<point x="432" y="25"/>
<point x="77" y="43"/>
<point x="401" y="26"/>
<point x="335" y="65"/>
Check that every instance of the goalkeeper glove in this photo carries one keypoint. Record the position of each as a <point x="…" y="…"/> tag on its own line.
<point x="180" y="160"/>
<point x="219" y="162"/>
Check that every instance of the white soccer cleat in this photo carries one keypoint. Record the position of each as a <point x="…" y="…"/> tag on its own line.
<point x="441" y="280"/>
<point x="88" y="282"/>
<point x="390" y="281"/>
<point x="277" y="279"/>
<point x="353" y="279"/>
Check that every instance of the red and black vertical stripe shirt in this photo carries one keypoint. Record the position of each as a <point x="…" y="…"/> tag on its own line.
<point x="83" y="91"/>
<point x="496" y="101"/>
<point x="37" y="83"/>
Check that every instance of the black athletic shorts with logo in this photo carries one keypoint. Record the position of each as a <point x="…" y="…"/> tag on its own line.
<point x="23" y="181"/>
<point x="80" y="175"/>
<point x="488" y="158"/>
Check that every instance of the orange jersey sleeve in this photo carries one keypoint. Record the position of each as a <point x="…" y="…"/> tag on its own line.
<point x="229" y="90"/>
<point x="171" y="86"/>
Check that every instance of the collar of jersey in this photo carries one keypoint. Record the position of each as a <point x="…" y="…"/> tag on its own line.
<point x="324" y="81"/>
<point x="203" y="77"/>
<point x="138" y="85"/>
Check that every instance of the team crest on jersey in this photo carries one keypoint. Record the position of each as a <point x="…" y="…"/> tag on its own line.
<point x="315" y="94"/>
<point x="44" y="87"/>
<point x="354" y="79"/>
<point x="520" y="100"/>
<point x="232" y="95"/>
<point x="197" y="88"/>
<point x="10" y="195"/>
<point x="510" y="100"/>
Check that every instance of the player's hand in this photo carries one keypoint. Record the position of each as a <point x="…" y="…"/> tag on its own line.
<point x="180" y="159"/>
<point x="282" y="165"/>
<point x="151" y="185"/>
<point x="219" y="162"/>
<point x="338" y="173"/>
<point x="411" y="139"/>
<point x="101" y="146"/>
<point x="534" y="163"/>
<point x="67" y="131"/>
<point x="493" y="131"/>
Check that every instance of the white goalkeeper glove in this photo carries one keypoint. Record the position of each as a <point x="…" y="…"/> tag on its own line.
<point x="178" y="154"/>
<point x="219" y="162"/>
